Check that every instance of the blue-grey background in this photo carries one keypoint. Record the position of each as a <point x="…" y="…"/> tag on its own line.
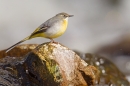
<point x="95" y="23"/>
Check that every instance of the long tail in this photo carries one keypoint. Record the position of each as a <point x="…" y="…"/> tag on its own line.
<point x="27" y="38"/>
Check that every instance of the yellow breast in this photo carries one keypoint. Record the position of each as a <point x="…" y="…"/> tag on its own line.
<point x="53" y="34"/>
<point x="62" y="29"/>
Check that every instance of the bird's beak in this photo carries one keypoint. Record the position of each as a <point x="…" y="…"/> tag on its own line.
<point x="70" y="15"/>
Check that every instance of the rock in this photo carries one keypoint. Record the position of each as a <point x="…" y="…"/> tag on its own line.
<point x="49" y="64"/>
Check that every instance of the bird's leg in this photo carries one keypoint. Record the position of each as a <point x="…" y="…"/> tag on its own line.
<point x="52" y="41"/>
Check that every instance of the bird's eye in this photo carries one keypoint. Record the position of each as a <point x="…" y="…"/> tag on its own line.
<point x="64" y="15"/>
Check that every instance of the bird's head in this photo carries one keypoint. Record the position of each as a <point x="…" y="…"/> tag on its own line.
<point x="64" y="15"/>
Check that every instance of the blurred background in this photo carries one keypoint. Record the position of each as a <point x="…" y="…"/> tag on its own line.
<point x="98" y="26"/>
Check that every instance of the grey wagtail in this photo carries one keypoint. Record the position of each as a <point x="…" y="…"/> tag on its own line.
<point x="52" y="28"/>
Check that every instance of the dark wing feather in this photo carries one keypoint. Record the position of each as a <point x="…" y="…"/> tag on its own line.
<point x="44" y="27"/>
<point x="40" y="30"/>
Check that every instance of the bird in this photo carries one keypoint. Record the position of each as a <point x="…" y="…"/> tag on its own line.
<point x="50" y="29"/>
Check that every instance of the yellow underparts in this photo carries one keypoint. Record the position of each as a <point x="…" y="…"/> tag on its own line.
<point x="62" y="30"/>
<point x="59" y="33"/>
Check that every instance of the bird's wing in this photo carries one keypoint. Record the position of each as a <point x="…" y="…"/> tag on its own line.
<point x="39" y="30"/>
<point x="45" y="26"/>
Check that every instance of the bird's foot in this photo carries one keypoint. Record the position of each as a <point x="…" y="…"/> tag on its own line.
<point x="52" y="41"/>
